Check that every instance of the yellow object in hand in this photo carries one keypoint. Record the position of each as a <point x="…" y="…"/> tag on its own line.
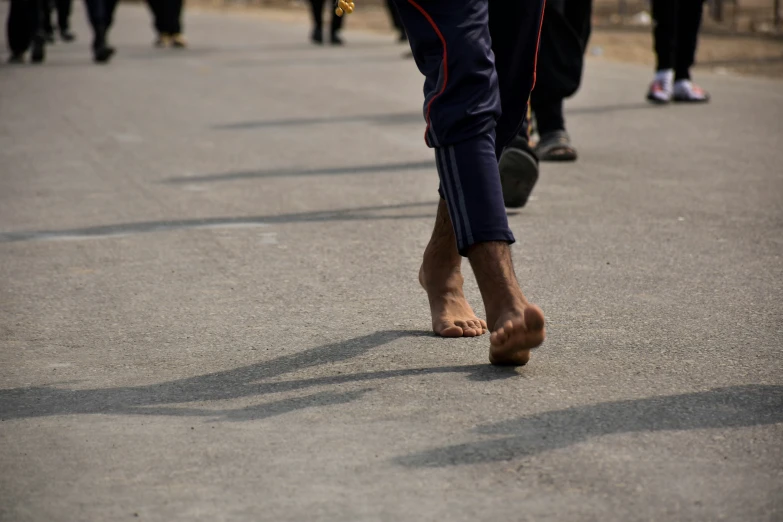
<point x="344" y="7"/>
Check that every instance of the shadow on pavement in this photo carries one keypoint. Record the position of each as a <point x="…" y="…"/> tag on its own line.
<point x="125" y="229"/>
<point x="731" y="407"/>
<point x="403" y="118"/>
<point x="288" y="173"/>
<point x="247" y="381"/>
<point x="607" y="109"/>
<point x="379" y="119"/>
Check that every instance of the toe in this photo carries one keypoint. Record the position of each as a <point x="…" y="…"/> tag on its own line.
<point x="498" y="337"/>
<point x="449" y="330"/>
<point x="470" y="332"/>
<point x="476" y="325"/>
<point x="467" y="328"/>
<point x="534" y="318"/>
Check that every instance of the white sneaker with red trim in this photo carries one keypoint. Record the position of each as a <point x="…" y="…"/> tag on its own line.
<point x="662" y="88"/>
<point x="687" y="91"/>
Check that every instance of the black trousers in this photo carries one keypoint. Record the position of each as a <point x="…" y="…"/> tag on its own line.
<point x="395" y="16"/>
<point x="676" y="34"/>
<point x="25" y="22"/>
<point x="564" y="38"/>
<point x="478" y="59"/>
<point x="318" y="15"/>
<point x="63" y="8"/>
<point x="167" y="15"/>
<point x="101" y="13"/>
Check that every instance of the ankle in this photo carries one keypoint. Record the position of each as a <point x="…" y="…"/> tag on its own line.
<point x="437" y="272"/>
<point x="503" y="307"/>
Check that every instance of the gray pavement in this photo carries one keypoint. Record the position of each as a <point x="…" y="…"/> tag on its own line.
<point x="209" y="307"/>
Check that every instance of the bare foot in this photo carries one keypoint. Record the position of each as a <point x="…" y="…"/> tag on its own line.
<point x="452" y="316"/>
<point x="441" y="278"/>
<point x="515" y="333"/>
<point x="517" y="326"/>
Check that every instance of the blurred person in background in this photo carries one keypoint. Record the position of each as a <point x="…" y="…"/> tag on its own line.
<point x="564" y="37"/>
<point x="564" y="34"/>
<point x="396" y="21"/>
<point x="100" y="13"/>
<point x="24" y="30"/>
<point x="63" y="9"/>
<point x="167" y="17"/>
<point x="675" y="34"/>
<point x="317" y="36"/>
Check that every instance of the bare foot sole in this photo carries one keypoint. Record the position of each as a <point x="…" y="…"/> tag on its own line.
<point x="515" y="335"/>
<point x="452" y="316"/>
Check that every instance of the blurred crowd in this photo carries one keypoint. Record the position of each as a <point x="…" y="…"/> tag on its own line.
<point x="29" y="26"/>
<point x="34" y="24"/>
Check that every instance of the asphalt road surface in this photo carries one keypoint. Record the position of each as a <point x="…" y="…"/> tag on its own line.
<point x="209" y="307"/>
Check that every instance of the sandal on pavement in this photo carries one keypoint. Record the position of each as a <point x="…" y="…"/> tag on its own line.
<point x="555" y="146"/>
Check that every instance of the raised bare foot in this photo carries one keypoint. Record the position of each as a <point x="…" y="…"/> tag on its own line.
<point x="514" y="334"/>
<point x="517" y="326"/>
<point x="441" y="278"/>
<point x="452" y="316"/>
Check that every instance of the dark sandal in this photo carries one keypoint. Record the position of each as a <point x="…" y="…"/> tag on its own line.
<point x="555" y="146"/>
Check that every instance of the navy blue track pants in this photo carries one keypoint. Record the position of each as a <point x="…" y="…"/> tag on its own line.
<point x="478" y="58"/>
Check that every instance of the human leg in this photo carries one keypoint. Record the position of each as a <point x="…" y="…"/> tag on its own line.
<point x="173" y="13"/>
<point x="689" y="17"/>
<point x="515" y="29"/>
<point x="450" y="41"/>
<point x="64" y="19"/>
<point x="317" y="11"/>
<point x="336" y="25"/>
<point x="664" y="14"/>
<point x="20" y="26"/>
<point x="100" y="13"/>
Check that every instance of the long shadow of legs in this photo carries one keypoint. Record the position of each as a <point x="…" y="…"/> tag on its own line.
<point x="735" y="406"/>
<point x="124" y="229"/>
<point x="159" y="399"/>
<point x="230" y="384"/>
<point x="379" y="119"/>
<point x="321" y="171"/>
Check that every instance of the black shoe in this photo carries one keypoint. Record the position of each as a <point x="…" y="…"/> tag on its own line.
<point x="16" y="58"/>
<point x="102" y="54"/>
<point x="518" y="172"/>
<point x="67" y="36"/>
<point x="336" y="40"/>
<point x="317" y="37"/>
<point x="38" y="52"/>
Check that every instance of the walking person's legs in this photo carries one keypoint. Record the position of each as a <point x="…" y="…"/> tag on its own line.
<point x="335" y="26"/>
<point x="100" y="13"/>
<point x="173" y="16"/>
<point x="564" y="40"/>
<point x="451" y="43"/>
<point x="664" y="14"/>
<point x="317" y="11"/>
<point x="64" y="20"/>
<point x="39" y="16"/>
<point x="162" y="37"/>
<point x="689" y="15"/>
<point x="396" y="21"/>
<point x="20" y="27"/>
